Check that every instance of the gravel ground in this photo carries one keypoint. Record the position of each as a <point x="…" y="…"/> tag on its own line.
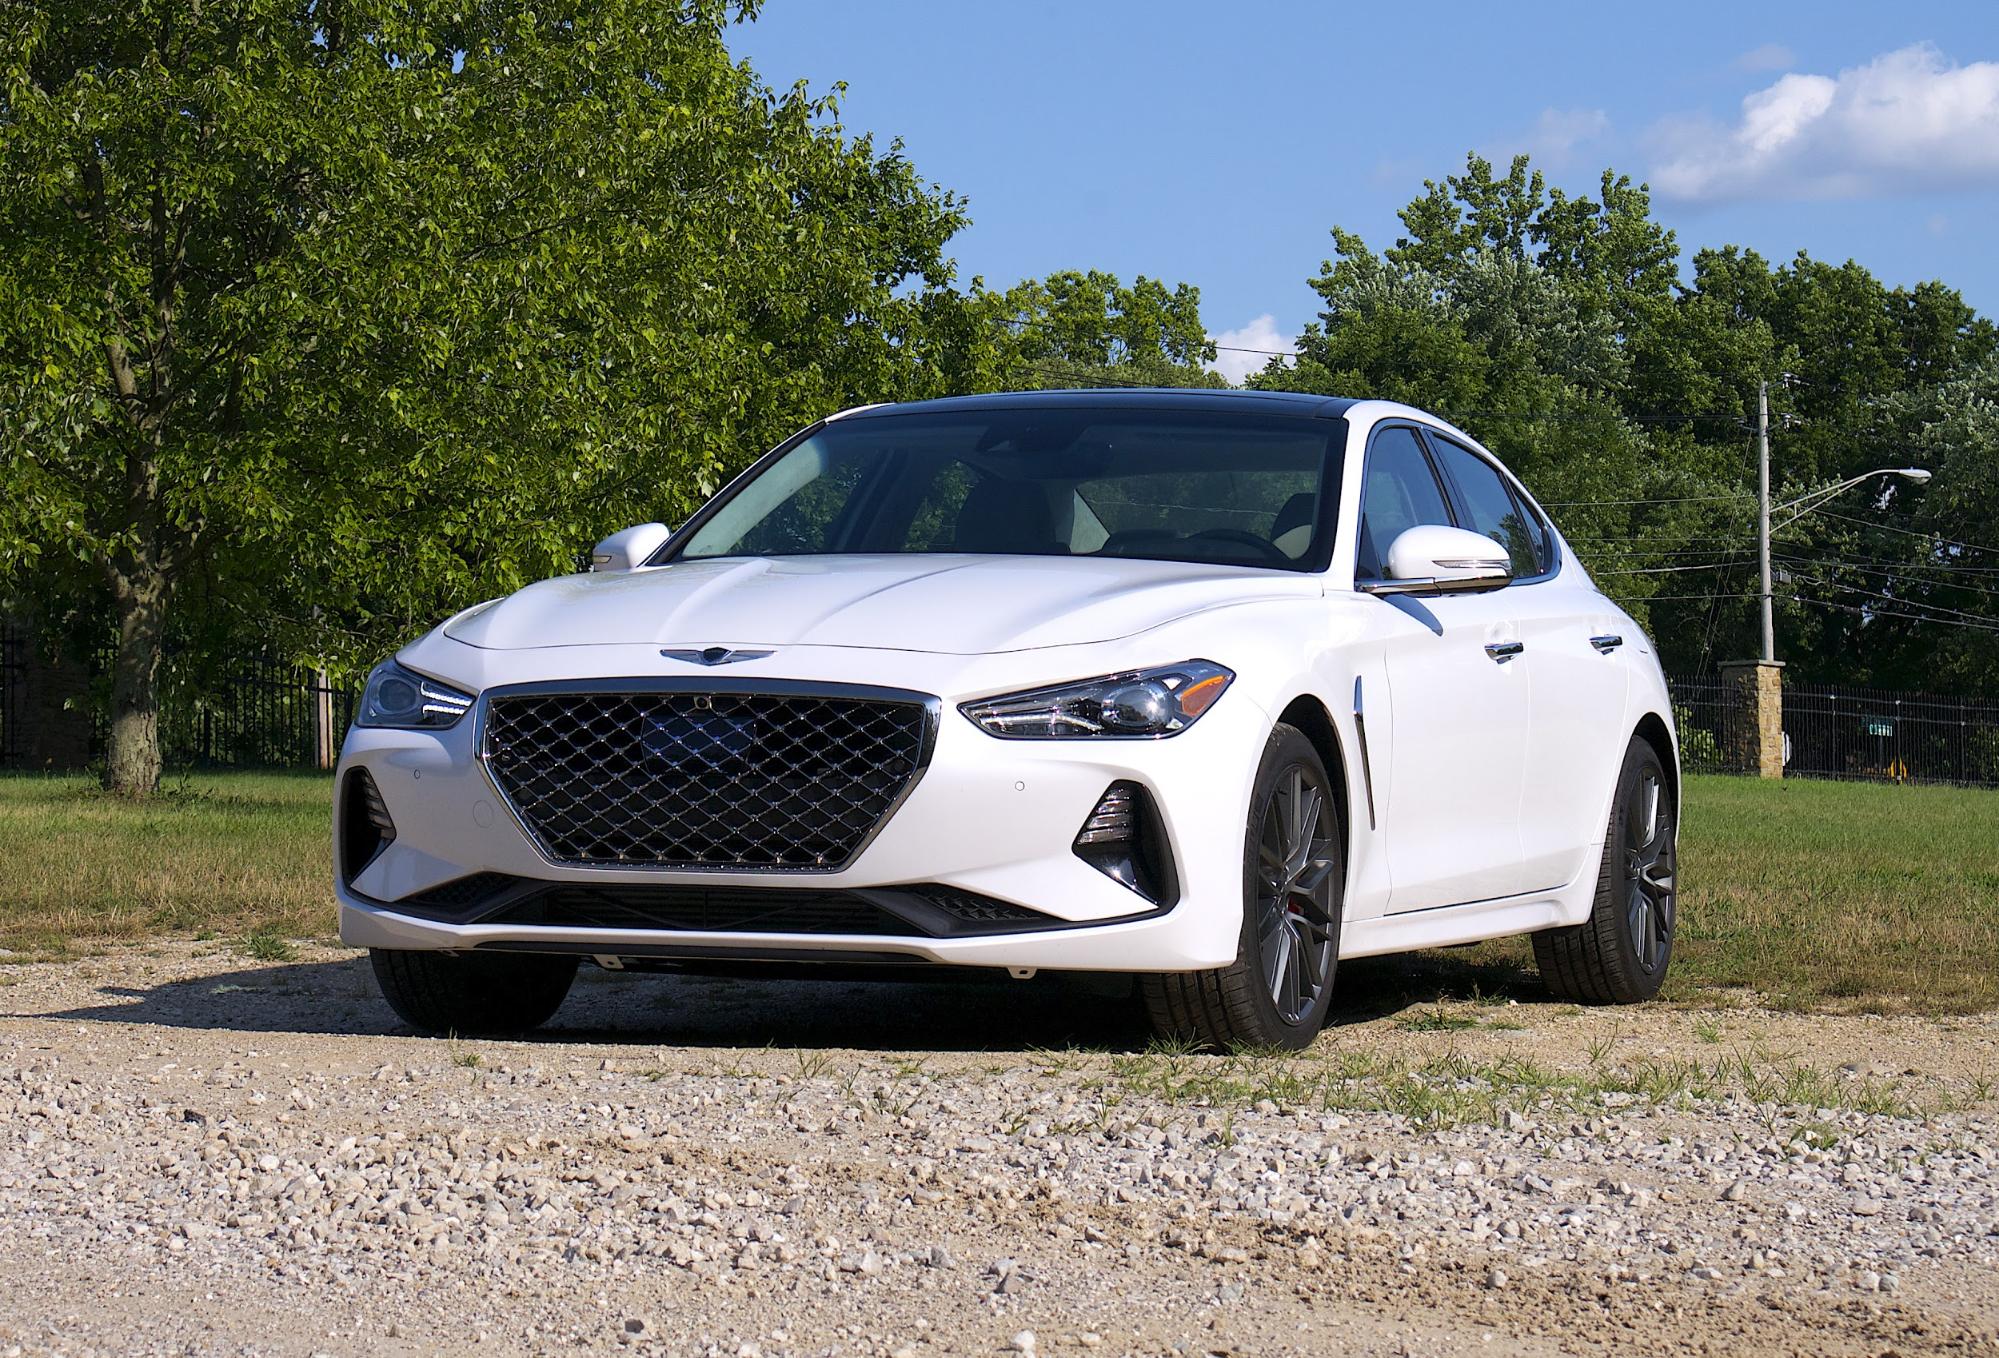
<point x="202" y="1154"/>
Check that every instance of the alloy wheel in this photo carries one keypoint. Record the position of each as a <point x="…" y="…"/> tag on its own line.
<point x="1649" y="900"/>
<point x="1296" y="894"/>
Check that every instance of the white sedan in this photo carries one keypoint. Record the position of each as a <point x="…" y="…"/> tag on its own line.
<point x="1208" y="688"/>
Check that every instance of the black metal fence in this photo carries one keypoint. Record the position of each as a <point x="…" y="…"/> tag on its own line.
<point x="1886" y="736"/>
<point x="13" y="695"/>
<point x="1834" y="731"/>
<point x="264" y="715"/>
<point x="261" y="714"/>
<point x="1711" y="721"/>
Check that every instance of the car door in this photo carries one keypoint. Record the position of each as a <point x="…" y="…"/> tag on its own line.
<point x="1458" y="703"/>
<point x="1571" y="660"/>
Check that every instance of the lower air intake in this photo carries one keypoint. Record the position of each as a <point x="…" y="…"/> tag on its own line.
<point x="365" y="826"/>
<point x="1124" y="838"/>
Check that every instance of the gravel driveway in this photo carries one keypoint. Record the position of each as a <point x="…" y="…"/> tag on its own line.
<point x="200" y="1154"/>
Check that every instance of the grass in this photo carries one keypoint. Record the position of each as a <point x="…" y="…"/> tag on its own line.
<point x="1805" y="894"/>
<point x="1828" y="896"/>
<point x="232" y="856"/>
<point x="1454" y="1089"/>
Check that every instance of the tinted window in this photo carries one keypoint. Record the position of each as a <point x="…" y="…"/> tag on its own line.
<point x="1179" y="486"/>
<point x="1400" y="492"/>
<point x="1491" y="507"/>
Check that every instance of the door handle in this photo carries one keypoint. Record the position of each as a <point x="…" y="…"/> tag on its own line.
<point x="1503" y="651"/>
<point x="1606" y="644"/>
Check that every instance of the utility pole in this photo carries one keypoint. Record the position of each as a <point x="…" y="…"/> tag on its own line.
<point x="1763" y="515"/>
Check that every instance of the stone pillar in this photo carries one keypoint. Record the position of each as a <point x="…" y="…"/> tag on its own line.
<point x="1754" y="735"/>
<point x="325" y="740"/>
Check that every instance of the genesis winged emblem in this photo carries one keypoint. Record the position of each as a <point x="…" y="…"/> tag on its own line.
<point x="711" y="655"/>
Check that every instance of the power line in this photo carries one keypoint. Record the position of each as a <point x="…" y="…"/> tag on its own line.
<point x="1742" y="496"/>
<point x="1985" y="618"/>
<point x="1910" y="532"/>
<point x="1892" y="572"/>
<point x="1666" y="570"/>
<point x="1108" y="336"/>
<point x="1868" y="612"/>
<point x="1678" y="598"/>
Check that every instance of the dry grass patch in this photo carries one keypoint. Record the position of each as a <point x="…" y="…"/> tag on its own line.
<point x="242" y="855"/>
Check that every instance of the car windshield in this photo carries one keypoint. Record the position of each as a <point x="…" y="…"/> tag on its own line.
<point x="1181" y="485"/>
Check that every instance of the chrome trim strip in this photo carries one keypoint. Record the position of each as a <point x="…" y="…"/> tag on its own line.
<point x="1427" y="586"/>
<point x="1503" y="651"/>
<point x="933" y="710"/>
<point x="1366" y="767"/>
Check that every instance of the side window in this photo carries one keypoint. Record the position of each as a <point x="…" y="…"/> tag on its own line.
<point x="1492" y="508"/>
<point x="1398" y="492"/>
<point x="1537" y="529"/>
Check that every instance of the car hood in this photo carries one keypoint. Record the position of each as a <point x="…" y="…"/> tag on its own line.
<point x="963" y="605"/>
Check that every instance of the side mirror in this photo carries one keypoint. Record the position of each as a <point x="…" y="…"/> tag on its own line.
<point x="1433" y="559"/>
<point x="628" y="550"/>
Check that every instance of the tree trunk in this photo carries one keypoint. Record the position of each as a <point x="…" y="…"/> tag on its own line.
<point x="132" y="762"/>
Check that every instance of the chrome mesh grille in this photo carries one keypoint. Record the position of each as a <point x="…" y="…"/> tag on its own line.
<point x="702" y="780"/>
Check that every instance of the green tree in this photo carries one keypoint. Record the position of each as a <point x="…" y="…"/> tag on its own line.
<point x="1081" y="329"/>
<point x="1558" y="329"/>
<point x="345" y="311"/>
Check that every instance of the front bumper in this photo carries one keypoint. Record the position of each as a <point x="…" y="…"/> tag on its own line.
<point x="993" y="817"/>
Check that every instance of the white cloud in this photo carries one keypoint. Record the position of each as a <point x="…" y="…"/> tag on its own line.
<point x="1771" y="56"/>
<point x="1554" y="138"/>
<point x="1559" y="131"/>
<point x="1261" y="336"/>
<point x="1906" y="120"/>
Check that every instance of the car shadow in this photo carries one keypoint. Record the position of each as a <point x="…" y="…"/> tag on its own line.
<point x="972" y="1013"/>
<point x="969" y="1012"/>
<point x="1370" y="988"/>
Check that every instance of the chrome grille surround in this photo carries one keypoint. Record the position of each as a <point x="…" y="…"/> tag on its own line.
<point x="701" y="774"/>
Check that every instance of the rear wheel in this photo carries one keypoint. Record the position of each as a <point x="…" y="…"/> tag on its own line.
<point x="472" y="993"/>
<point x="1278" y="990"/>
<point x="1620" y="953"/>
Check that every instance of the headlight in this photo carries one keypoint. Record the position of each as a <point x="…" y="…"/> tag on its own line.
<point x="402" y="698"/>
<point x="1142" y="703"/>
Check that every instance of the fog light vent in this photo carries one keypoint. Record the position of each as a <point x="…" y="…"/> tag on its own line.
<point x="365" y="827"/>
<point x="1124" y="839"/>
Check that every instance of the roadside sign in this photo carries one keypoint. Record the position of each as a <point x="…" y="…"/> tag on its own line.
<point x="1880" y="726"/>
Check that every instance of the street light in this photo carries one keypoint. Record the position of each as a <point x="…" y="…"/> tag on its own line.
<point x="1801" y="506"/>
<point x="1805" y="504"/>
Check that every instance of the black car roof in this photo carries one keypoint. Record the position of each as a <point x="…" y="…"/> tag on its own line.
<point x="1123" y="398"/>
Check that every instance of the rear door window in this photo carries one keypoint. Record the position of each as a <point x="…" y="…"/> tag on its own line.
<point x="1491" y="508"/>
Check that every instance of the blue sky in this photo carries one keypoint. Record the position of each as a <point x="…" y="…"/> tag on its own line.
<point x="1218" y="144"/>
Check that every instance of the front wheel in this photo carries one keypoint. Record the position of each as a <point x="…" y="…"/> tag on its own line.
<point x="1277" y="991"/>
<point x="468" y="994"/>
<point x="1620" y="953"/>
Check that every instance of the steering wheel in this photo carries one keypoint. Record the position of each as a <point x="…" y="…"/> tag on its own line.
<point x="1269" y="551"/>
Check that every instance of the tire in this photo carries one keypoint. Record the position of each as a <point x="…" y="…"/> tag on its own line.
<point x="468" y="994"/>
<point x="1294" y="887"/>
<point x="1619" y="955"/>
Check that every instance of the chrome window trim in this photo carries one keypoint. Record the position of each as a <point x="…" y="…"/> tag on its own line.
<point x="933" y="711"/>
